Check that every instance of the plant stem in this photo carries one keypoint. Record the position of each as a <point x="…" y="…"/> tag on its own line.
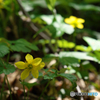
<point x="24" y="89"/>
<point x="28" y="94"/>
<point x="44" y="90"/>
<point x="8" y="86"/>
<point x="2" y="89"/>
<point x="7" y="77"/>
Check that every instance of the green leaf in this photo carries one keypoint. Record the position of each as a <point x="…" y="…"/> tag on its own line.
<point x="22" y="45"/>
<point x="94" y="44"/>
<point x="62" y="70"/>
<point x="70" y="77"/>
<point x="50" y="74"/>
<point x="69" y="61"/>
<point x="92" y="1"/>
<point x="57" y="28"/>
<point x="50" y="4"/>
<point x="88" y="66"/>
<point x="3" y="50"/>
<point x="47" y="58"/>
<point x="78" y="55"/>
<point x="84" y="7"/>
<point x="29" y="85"/>
<point x="8" y="69"/>
<point x="27" y="44"/>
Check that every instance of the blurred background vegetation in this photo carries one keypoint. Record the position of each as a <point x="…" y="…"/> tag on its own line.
<point x="37" y="27"/>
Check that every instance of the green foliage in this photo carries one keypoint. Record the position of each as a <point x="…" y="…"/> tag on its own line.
<point x="3" y="50"/>
<point x="28" y="85"/>
<point x="50" y="4"/>
<point x="42" y="23"/>
<point x="6" y="68"/>
<point x="92" y="1"/>
<point x="70" y="77"/>
<point x="52" y="73"/>
<point x="65" y="44"/>
<point x="78" y="55"/>
<point x="22" y="45"/>
<point x="83" y="48"/>
<point x="84" y="7"/>
<point x="69" y="61"/>
<point x="58" y="27"/>
<point x="94" y="44"/>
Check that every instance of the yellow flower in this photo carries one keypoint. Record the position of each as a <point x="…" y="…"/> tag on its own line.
<point x="1" y="1"/>
<point x="75" y="22"/>
<point x="31" y="65"/>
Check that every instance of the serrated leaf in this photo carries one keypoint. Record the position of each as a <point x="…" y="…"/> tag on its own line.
<point x="20" y="47"/>
<point x="29" y="85"/>
<point x="8" y="69"/>
<point x="50" y="74"/>
<point x="70" y="77"/>
<point x="3" y="50"/>
<point x="27" y="44"/>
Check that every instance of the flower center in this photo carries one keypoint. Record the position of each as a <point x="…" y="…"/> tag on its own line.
<point x="30" y="66"/>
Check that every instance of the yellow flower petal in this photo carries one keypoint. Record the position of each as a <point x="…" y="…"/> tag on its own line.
<point x="20" y="65"/>
<point x="36" y="61"/>
<point x="80" y="26"/>
<point x="29" y="58"/>
<point x="25" y="74"/>
<point x="42" y="64"/>
<point x="72" y="18"/>
<point x="35" y="73"/>
<point x="80" y="20"/>
<point x="67" y="20"/>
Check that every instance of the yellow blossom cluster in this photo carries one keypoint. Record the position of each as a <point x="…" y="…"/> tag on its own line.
<point x="75" y="22"/>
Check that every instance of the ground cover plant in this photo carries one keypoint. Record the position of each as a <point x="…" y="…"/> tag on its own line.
<point x="49" y="50"/>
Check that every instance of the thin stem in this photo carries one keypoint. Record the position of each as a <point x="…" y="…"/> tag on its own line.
<point x="2" y="88"/>
<point x="8" y="86"/>
<point x="44" y="90"/>
<point x="7" y="77"/>
<point x="28" y="94"/>
<point x="24" y="89"/>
